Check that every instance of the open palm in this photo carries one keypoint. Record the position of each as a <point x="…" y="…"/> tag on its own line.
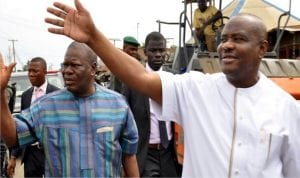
<point x="5" y="72"/>
<point x="76" y="23"/>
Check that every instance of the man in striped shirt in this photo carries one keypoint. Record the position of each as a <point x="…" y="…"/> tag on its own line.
<point x="86" y="130"/>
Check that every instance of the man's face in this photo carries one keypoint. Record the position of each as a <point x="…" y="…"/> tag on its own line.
<point x="202" y="5"/>
<point x="131" y="50"/>
<point x="156" y="52"/>
<point x="36" y="73"/>
<point x="77" y="72"/>
<point x="240" y="50"/>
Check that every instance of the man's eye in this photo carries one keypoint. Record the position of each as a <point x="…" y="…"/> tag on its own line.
<point x="157" y="50"/>
<point x="71" y="65"/>
<point x="239" y="39"/>
<point x="75" y="65"/>
<point x="223" y="40"/>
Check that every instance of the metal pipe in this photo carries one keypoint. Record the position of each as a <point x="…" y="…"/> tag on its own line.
<point x="279" y="33"/>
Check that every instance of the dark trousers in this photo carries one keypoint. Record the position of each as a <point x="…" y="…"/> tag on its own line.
<point x="3" y="159"/>
<point x="34" y="162"/>
<point x="160" y="163"/>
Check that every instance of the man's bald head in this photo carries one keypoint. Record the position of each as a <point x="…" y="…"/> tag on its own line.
<point x="90" y="55"/>
<point x="254" y="23"/>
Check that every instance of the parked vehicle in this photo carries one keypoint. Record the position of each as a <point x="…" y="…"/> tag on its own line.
<point x="22" y="83"/>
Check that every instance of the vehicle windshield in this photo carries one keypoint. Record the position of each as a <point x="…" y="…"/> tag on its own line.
<point x="22" y="83"/>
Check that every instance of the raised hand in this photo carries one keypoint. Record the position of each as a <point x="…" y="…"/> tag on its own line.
<point x="76" y="23"/>
<point x="5" y="72"/>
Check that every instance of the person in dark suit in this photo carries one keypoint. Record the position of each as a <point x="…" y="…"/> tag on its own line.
<point x="154" y="158"/>
<point x="33" y="155"/>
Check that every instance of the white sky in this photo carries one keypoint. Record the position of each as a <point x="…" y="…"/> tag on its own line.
<point x="23" y="20"/>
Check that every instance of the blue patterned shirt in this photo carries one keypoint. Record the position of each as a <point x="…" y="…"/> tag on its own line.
<point x="81" y="137"/>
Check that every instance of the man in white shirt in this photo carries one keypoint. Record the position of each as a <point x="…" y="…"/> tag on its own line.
<point x="237" y="123"/>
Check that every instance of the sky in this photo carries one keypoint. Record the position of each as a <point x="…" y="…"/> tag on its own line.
<point x="22" y="24"/>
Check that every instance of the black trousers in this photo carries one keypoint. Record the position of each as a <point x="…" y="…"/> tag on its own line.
<point x="34" y="162"/>
<point x="3" y="159"/>
<point x="160" y="163"/>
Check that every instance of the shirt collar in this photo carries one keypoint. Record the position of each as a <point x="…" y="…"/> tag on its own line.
<point x="43" y="86"/>
<point x="253" y="93"/>
<point x="149" y="69"/>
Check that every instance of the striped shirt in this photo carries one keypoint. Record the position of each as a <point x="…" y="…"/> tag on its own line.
<point x="81" y="137"/>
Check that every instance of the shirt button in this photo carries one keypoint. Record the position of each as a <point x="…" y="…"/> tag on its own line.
<point x="236" y="172"/>
<point x="241" y="118"/>
<point x="239" y="143"/>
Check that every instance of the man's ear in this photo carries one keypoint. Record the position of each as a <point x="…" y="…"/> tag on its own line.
<point x="94" y="68"/>
<point x="263" y="48"/>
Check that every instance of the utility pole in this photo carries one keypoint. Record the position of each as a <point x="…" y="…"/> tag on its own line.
<point x="137" y="31"/>
<point x="114" y="40"/>
<point x="14" y="51"/>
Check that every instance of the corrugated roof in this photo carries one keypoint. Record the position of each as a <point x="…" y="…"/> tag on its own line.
<point x="266" y="11"/>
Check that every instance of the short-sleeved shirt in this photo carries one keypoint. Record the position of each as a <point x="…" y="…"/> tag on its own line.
<point x="266" y="143"/>
<point x="81" y="137"/>
<point x="201" y="17"/>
